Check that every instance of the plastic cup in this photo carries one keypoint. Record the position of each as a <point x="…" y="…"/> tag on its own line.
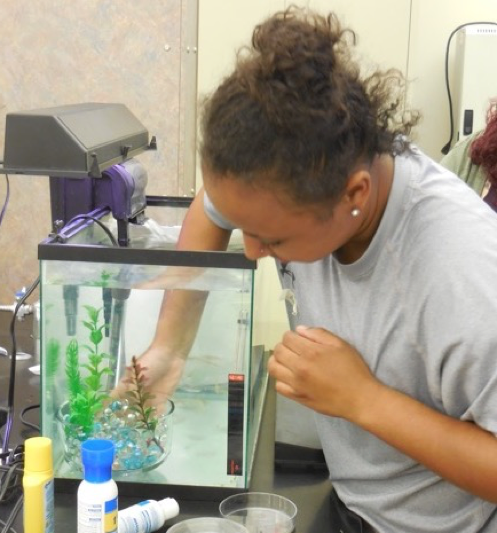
<point x="207" y="525"/>
<point x="260" y="512"/>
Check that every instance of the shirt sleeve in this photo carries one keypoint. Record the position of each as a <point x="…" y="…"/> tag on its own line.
<point x="459" y="162"/>
<point x="214" y="215"/>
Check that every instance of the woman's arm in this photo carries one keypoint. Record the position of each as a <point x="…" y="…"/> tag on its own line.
<point x="181" y="310"/>
<point x="460" y="452"/>
<point x="323" y="372"/>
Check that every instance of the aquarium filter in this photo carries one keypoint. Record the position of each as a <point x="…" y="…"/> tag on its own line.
<point x="87" y="151"/>
<point x="121" y="189"/>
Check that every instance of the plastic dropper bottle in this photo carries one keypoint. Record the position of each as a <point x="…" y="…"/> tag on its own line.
<point x="38" y="486"/>
<point x="97" y="493"/>
<point x="147" y="516"/>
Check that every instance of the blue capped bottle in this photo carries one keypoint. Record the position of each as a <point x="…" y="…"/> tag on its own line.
<point x="97" y="493"/>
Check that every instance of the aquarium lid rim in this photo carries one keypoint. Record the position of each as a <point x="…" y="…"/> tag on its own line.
<point x="143" y="256"/>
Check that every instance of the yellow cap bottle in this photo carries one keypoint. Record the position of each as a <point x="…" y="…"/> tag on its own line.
<point x="38" y="486"/>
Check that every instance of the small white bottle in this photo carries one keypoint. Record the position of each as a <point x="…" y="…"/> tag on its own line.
<point x="97" y="493"/>
<point x="147" y="516"/>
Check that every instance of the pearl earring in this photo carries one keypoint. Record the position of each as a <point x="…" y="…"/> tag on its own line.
<point x="355" y="212"/>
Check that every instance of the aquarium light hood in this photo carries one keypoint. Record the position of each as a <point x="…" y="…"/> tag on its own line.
<point x="72" y="141"/>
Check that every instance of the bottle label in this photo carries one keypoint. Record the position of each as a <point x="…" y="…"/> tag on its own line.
<point x="48" y="489"/>
<point x="110" y="516"/>
<point x="97" y="517"/>
<point x="142" y="517"/>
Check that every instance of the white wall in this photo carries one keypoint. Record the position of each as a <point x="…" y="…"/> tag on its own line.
<point x="224" y="26"/>
<point x="382" y="28"/>
<point x="432" y="22"/>
<point x="407" y="34"/>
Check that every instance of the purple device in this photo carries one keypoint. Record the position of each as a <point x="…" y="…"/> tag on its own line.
<point x="121" y="189"/>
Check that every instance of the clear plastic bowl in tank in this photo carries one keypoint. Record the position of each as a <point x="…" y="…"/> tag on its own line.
<point x="137" y="446"/>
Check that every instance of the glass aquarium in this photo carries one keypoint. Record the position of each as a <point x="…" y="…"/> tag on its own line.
<point x="99" y="308"/>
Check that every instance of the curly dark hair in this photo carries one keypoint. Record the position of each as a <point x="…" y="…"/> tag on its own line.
<point x="296" y="114"/>
<point x="483" y="149"/>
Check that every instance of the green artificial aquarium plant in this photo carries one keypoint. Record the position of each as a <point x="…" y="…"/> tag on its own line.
<point x="53" y="360"/>
<point x="86" y="393"/>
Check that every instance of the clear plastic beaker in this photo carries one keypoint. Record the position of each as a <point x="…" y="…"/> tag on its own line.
<point x="207" y="525"/>
<point x="260" y="512"/>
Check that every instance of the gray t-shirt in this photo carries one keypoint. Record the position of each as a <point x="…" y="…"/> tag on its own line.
<point x="420" y="306"/>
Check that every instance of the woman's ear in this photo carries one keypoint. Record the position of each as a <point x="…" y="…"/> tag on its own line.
<point x="358" y="189"/>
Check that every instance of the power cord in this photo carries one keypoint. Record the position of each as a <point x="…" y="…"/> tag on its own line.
<point x="446" y="148"/>
<point x="11" y="478"/>
<point x="7" y="525"/>
<point x="99" y="223"/>
<point x="26" y="422"/>
<point x="11" y="487"/>
<point x="12" y="379"/>
<point x="6" y="202"/>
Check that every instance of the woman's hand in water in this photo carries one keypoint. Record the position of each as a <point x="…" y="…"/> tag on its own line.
<point x="160" y="371"/>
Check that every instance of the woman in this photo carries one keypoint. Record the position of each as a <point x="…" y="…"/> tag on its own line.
<point x="474" y="159"/>
<point x="392" y="261"/>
